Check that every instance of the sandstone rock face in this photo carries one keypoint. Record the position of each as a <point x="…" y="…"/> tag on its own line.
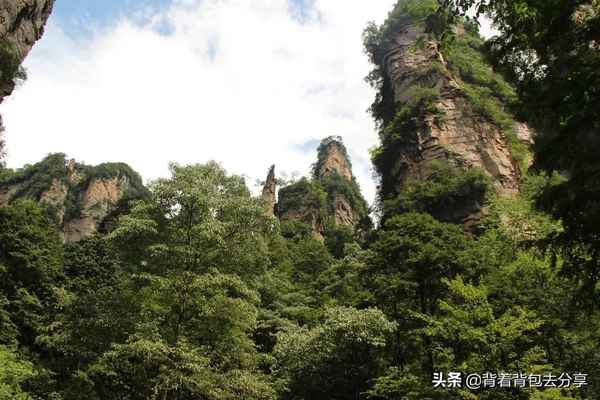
<point x="269" y="193"/>
<point x="56" y="197"/>
<point x="343" y="212"/>
<point x="22" y="24"/>
<point x="310" y="216"/>
<point x="335" y="161"/>
<point x="331" y="198"/>
<point x="462" y="135"/>
<point x="455" y="132"/>
<point x="99" y="200"/>
<point x="8" y="193"/>
<point x="83" y="200"/>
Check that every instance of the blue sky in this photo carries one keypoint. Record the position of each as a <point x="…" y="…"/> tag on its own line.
<point x="248" y="83"/>
<point x="77" y="16"/>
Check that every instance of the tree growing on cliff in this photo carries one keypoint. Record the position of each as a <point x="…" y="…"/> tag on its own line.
<point x="551" y="51"/>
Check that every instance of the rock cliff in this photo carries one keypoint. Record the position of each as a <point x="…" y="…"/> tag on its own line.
<point x="269" y="193"/>
<point x="331" y="198"/>
<point x="440" y="102"/>
<point x="82" y="199"/>
<point x="21" y="25"/>
<point x="333" y="159"/>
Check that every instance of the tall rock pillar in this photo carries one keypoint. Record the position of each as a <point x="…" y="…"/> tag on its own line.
<point x="269" y="192"/>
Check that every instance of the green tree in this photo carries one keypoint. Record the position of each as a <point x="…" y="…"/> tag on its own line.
<point x="193" y="250"/>
<point x="30" y="268"/>
<point x="341" y="283"/>
<point x="13" y="373"/>
<point x="334" y="360"/>
<point x="199" y="219"/>
<point x="412" y="256"/>
<point x="97" y="310"/>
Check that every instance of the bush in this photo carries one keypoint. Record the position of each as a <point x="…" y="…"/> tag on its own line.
<point x="446" y="187"/>
<point x="303" y="194"/>
<point x="335" y="185"/>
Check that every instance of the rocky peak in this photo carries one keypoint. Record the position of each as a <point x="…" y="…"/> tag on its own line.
<point x="444" y="104"/>
<point x="269" y="192"/>
<point x="333" y="158"/>
<point x="463" y="135"/>
<point x="83" y="199"/>
<point x="331" y="198"/>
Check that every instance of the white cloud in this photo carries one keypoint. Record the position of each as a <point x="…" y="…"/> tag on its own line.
<point x="241" y="82"/>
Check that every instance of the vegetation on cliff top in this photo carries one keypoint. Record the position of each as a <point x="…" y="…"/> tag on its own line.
<point x="32" y="181"/>
<point x="302" y="196"/>
<point x="322" y="153"/>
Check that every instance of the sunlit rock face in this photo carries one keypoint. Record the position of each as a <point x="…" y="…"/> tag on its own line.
<point x="82" y="200"/>
<point x="450" y="130"/>
<point x="462" y="134"/>
<point x="334" y="160"/>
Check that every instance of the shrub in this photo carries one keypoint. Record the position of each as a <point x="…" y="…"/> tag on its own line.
<point x="445" y="187"/>
<point x="302" y="195"/>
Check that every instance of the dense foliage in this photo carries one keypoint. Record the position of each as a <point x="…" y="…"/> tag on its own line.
<point x="304" y="194"/>
<point x="447" y="188"/>
<point x="550" y="50"/>
<point x="197" y="294"/>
